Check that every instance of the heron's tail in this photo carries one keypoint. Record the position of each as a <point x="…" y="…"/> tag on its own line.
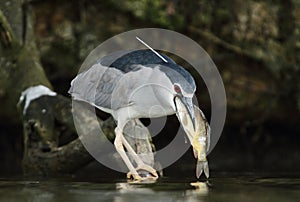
<point x="202" y="166"/>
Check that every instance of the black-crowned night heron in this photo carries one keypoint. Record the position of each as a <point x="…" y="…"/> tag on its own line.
<point x="132" y="85"/>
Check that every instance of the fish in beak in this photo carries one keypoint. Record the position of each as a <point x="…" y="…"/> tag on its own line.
<point x="188" y="104"/>
<point x="198" y="133"/>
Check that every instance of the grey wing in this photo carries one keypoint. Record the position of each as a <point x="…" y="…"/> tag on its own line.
<point x="95" y="85"/>
<point x="109" y="59"/>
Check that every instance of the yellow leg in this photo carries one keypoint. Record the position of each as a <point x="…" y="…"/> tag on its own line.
<point x="120" y="149"/>
<point x="140" y="164"/>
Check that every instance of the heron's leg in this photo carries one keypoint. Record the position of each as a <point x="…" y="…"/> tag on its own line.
<point x="140" y="164"/>
<point x="120" y="149"/>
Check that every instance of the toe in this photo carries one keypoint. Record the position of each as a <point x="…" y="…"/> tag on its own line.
<point x="134" y="176"/>
<point x="148" y="169"/>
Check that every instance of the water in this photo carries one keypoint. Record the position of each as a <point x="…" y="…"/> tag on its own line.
<point x="217" y="189"/>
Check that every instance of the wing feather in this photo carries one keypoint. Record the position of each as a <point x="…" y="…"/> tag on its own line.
<point x="96" y="85"/>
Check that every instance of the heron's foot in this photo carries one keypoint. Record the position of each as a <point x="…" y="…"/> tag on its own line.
<point x="149" y="174"/>
<point x="137" y="178"/>
<point x="134" y="176"/>
<point x="148" y="168"/>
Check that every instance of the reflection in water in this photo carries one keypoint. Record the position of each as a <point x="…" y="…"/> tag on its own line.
<point x="223" y="189"/>
<point x="201" y="188"/>
<point x="136" y="192"/>
<point x="128" y="190"/>
<point x="125" y="187"/>
<point x="197" y="194"/>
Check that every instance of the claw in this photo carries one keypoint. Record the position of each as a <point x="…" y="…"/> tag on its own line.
<point x="148" y="168"/>
<point x="202" y="166"/>
<point x="135" y="177"/>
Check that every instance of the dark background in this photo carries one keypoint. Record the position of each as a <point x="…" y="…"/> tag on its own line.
<point x="255" y="45"/>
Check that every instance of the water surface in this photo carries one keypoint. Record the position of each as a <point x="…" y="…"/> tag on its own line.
<point x="216" y="189"/>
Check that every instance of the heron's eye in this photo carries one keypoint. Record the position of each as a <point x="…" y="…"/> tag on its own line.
<point x="177" y="89"/>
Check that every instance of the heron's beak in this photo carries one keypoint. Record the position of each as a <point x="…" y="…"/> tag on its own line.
<point x="188" y="103"/>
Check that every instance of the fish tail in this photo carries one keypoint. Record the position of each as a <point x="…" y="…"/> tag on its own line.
<point x="206" y="169"/>
<point x="202" y="166"/>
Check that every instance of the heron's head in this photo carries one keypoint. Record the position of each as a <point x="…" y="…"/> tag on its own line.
<point x="183" y="102"/>
<point x="183" y="86"/>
